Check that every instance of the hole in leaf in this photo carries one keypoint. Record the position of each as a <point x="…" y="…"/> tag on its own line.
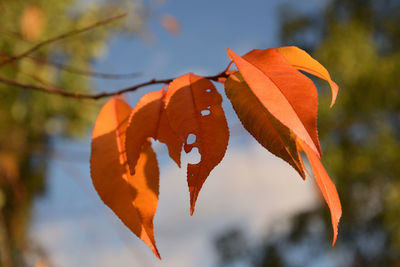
<point x="205" y="112"/>
<point x="208" y="90"/>
<point x="191" y="139"/>
<point x="194" y="156"/>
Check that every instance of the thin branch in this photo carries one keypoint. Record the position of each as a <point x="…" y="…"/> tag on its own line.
<point x="60" y="37"/>
<point x="58" y="91"/>
<point x="14" y="35"/>
<point x="66" y="68"/>
<point x="85" y="72"/>
<point x="32" y="76"/>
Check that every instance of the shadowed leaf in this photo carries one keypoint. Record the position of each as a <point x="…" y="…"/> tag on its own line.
<point x="149" y="119"/>
<point x="134" y="198"/>
<point x="269" y="132"/>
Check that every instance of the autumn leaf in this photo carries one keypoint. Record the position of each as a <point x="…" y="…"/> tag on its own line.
<point x="288" y="95"/>
<point x="32" y="22"/>
<point x="193" y="106"/>
<point x="269" y="132"/>
<point x="149" y="119"/>
<point x="171" y="24"/>
<point x="267" y="71"/>
<point x="326" y="186"/>
<point x="303" y="61"/>
<point x="133" y="198"/>
<point x="275" y="102"/>
<point x="278" y="139"/>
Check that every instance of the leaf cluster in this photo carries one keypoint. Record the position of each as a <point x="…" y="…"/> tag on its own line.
<point x="275" y="102"/>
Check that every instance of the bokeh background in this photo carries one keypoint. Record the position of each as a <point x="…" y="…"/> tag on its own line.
<point x="254" y="210"/>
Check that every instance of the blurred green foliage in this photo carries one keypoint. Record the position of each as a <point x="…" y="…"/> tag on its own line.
<point x="29" y="119"/>
<point x="359" y="43"/>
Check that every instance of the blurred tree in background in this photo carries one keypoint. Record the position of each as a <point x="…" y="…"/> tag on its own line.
<point x="29" y="119"/>
<point x="359" y="43"/>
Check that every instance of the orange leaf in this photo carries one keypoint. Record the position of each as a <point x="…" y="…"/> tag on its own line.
<point x="269" y="132"/>
<point x="286" y="93"/>
<point x="134" y="198"/>
<point x="272" y="83"/>
<point x="301" y="60"/>
<point x="32" y="22"/>
<point x="194" y="107"/>
<point x="326" y="186"/>
<point x="296" y="87"/>
<point x="171" y="24"/>
<point x="149" y="119"/>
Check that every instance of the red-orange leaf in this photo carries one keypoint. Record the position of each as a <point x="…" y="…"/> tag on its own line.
<point x="296" y="87"/>
<point x="149" y="119"/>
<point x="286" y="93"/>
<point x="326" y="186"/>
<point x="134" y="198"/>
<point x="269" y="132"/>
<point x="272" y="84"/>
<point x="301" y="60"/>
<point x="194" y="107"/>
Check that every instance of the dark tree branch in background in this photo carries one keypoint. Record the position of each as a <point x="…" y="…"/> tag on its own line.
<point x="5" y="253"/>
<point x="60" y="37"/>
<point x="50" y="89"/>
<point x="85" y="72"/>
<point x="58" y="91"/>
<point x="69" y="69"/>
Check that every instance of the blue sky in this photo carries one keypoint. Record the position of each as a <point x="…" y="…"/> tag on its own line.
<point x="78" y="230"/>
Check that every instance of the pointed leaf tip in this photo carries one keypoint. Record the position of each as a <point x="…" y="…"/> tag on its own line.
<point x="301" y="60"/>
<point x="193" y="106"/>
<point x="133" y="198"/>
<point x="327" y="187"/>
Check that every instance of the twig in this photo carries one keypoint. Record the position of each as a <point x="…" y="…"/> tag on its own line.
<point x="66" y="68"/>
<point x="85" y="72"/>
<point x="58" y="91"/>
<point x="33" y="76"/>
<point x="60" y="37"/>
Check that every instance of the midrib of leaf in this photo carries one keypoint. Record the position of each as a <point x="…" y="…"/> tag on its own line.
<point x="160" y="111"/>
<point x="198" y="143"/>
<point x="118" y="134"/>
<point x="197" y="115"/>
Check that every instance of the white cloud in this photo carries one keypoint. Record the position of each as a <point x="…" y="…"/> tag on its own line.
<point x="250" y="188"/>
